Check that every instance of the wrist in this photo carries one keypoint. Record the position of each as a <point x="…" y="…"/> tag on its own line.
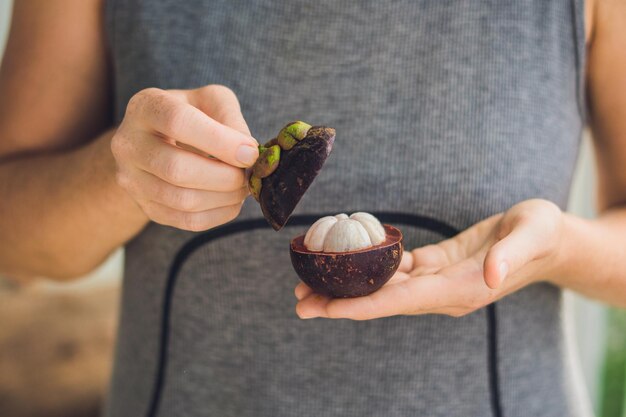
<point x="102" y="166"/>
<point x="570" y="255"/>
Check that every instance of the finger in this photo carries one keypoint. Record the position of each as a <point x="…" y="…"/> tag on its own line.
<point x="146" y="186"/>
<point x="521" y="246"/>
<point x="398" y="277"/>
<point x="431" y="257"/>
<point x="390" y="300"/>
<point x="406" y="263"/>
<point x="311" y="306"/>
<point x="178" y="120"/>
<point x="453" y="289"/>
<point x="409" y="296"/>
<point x="194" y="222"/>
<point x="182" y="168"/>
<point x="302" y="290"/>
<point x="424" y="270"/>
<point x="456" y="290"/>
<point x="221" y="103"/>
<point x="468" y="241"/>
<point x="466" y="283"/>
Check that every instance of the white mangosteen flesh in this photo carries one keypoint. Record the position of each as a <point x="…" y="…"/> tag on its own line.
<point x="375" y="230"/>
<point x="346" y="235"/>
<point x="314" y="238"/>
<point x="341" y="233"/>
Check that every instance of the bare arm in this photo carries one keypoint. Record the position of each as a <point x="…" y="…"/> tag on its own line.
<point x="61" y="212"/>
<point x="596" y="250"/>
<point x="72" y="187"/>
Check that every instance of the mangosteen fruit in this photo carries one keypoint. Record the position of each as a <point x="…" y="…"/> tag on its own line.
<point x="347" y="256"/>
<point x="286" y="167"/>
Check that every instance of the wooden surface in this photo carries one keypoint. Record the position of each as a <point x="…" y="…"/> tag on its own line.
<point x="55" y="350"/>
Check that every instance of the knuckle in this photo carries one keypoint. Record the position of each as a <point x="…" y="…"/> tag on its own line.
<point x="149" y="94"/>
<point x="173" y="170"/>
<point x="152" y="91"/>
<point x="176" y="118"/>
<point x="223" y="101"/>
<point x="525" y="216"/>
<point x="184" y="200"/>
<point x="140" y="98"/>
<point x="217" y="90"/>
<point x="123" y="180"/>
<point x="117" y="145"/>
<point x="133" y="104"/>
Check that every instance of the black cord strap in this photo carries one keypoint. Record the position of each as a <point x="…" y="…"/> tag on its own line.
<point x="202" y="239"/>
<point x="492" y="358"/>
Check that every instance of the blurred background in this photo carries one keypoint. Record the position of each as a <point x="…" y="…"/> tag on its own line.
<point x="56" y="340"/>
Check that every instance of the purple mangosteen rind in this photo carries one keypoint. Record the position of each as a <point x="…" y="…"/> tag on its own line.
<point x="348" y="274"/>
<point x="282" y="190"/>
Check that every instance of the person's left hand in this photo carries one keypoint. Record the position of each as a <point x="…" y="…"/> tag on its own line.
<point x="457" y="276"/>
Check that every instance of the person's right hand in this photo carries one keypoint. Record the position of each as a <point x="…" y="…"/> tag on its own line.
<point x="158" y="148"/>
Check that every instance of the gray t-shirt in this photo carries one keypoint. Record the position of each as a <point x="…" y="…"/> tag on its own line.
<point x="446" y="112"/>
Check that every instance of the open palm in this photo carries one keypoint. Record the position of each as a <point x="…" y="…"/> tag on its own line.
<point x="457" y="276"/>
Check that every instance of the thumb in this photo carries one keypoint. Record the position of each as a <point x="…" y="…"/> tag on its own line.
<point x="221" y="104"/>
<point x="510" y="254"/>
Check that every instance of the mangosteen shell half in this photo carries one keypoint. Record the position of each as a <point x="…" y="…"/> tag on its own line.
<point x="348" y="274"/>
<point x="298" y="167"/>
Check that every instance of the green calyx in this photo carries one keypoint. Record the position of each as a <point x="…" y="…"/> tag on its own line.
<point x="267" y="162"/>
<point x="265" y="165"/>
<point x="269" y="154"/>
<point x="291" y="134"/>
<point x="254" y="185"/>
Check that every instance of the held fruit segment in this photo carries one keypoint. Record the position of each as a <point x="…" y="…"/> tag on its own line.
<point x="343" y="256"/>
<point x="286" y="167"/>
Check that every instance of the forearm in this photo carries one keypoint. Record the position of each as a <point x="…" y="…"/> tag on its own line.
<point x="592" y="257"/>
<point x="62" y="214"/>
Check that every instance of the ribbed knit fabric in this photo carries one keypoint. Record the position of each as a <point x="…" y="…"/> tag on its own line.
<point x="452" y="110"/>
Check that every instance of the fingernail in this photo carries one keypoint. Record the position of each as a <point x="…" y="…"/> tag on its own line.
<point x="247" y="155"/>
<point x="306" y="316"/>
<point x="503" y="269"/>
